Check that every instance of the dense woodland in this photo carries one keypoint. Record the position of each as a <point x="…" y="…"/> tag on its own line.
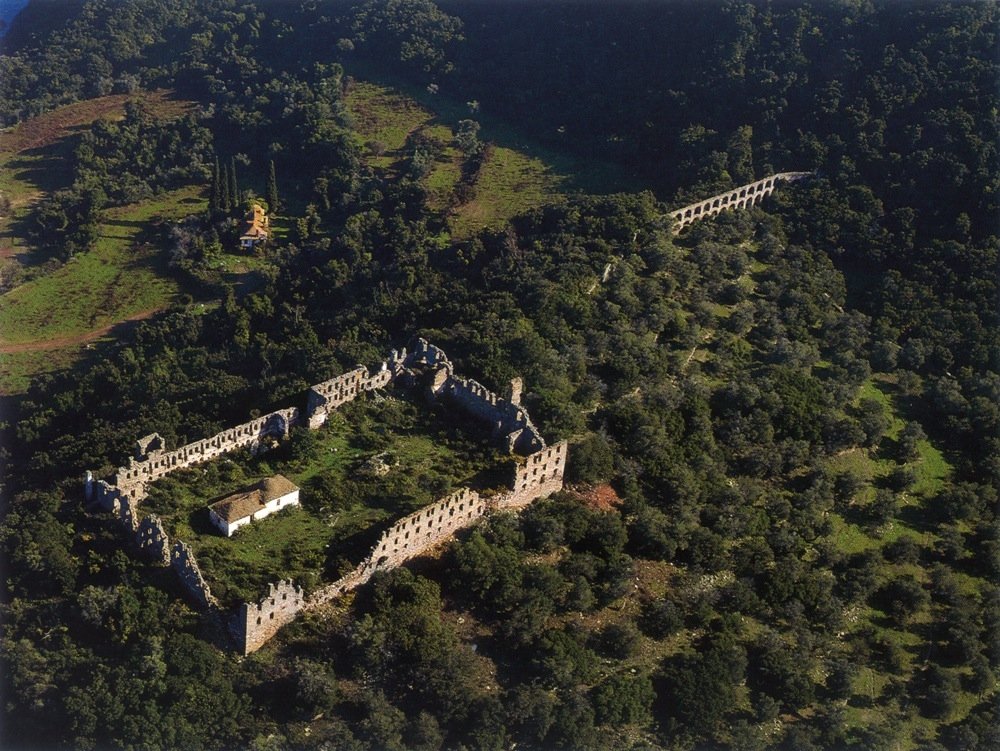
<point x="720" y="380"/>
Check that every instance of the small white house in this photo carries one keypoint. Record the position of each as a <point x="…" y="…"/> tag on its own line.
<point x="266" y="497"/>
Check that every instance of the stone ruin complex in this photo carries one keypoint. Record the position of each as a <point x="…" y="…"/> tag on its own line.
<point x="737" y="198"/>
<point x="537" y="471"/>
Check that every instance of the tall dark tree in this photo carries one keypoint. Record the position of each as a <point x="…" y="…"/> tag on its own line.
<point x="234" y="189"/>
<point x="215" y="202"/>
<point x="225" y="197"/>
<point x="272" y="189"/>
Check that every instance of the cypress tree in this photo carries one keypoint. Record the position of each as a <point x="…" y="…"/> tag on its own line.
<point x="225" y="204"/>
<point x="234" y="191"/>
<point x="215" y="202"/>
<point x="272" y="189"/>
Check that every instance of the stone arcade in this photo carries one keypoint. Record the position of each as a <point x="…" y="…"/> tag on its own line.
<point x="536" y="471"/>
<point x="737" y="198"/>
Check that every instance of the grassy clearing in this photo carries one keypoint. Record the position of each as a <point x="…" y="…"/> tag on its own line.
<point x="118" y="279"/>
<point x="371" y="464"/>
<point x="33" y="154"/>
<point x="517" y="177"/>
<point x="384" y="119"/>
<point x="35" y="158"/>
<point x="509" y="184"/>
<point x="17" y="369"/>
<point x="62" y="121"/>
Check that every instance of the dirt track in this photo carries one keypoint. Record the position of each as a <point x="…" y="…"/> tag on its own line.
<point x="69" y="341"/>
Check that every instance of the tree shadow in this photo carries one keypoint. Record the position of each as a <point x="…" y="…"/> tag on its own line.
<point x="134" y="223"/>
<point x="918" y="517"/>
<point x="200" y="521"/>
<point x="46" y="167"/>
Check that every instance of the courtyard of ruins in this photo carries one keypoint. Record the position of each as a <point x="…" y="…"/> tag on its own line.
<point x="375" y="460"/>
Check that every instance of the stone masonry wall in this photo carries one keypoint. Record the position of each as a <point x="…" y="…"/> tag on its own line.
<point x="540" y="475"/>
<point x="183" y="562"/>
<point x="257" y="623"/>
<point x="250" y="434"/>
<point x="415" y="534"/>
<point x="153" y="541"/>
<point x="327" y="396"/>
<point x="508" y="419"/>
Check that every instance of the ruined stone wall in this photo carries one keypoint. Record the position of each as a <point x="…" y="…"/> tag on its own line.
<point x="424" y="354"/>
<point x="510" y="421"/>
<point x="153" y="541"/>
<point x="182" y="560"/>
<point x="325" y="397"/>
<point x="250" y="434"/>
<point x="540" y="474"/>
<point x="342" y="586"/>
<point x="328" y="395"/>
<point x="256" y="623"/>
<point x="417" y="533"/>
<point x="738" y="198"/>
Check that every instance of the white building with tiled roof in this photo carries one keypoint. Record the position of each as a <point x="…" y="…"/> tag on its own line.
<point x="266" y="497"/>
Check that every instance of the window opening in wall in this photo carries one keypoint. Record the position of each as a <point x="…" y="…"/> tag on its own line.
<point x="258" y="620"/>
<point x="271" y="616"/>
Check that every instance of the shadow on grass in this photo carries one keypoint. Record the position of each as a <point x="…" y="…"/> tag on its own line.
<point x="48" y="168"/>
<point x="124" y="223"/>
<point x="919" y="517"/>
<point x="30" y="256"/>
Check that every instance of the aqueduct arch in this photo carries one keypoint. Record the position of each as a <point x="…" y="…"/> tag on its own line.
<point x="738" y="198"/>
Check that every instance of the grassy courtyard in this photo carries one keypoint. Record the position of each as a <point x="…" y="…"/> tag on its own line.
<point x="372" y="463"/>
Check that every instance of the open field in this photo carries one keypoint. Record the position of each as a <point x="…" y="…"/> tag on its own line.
<point x="371" y="464"/>
<point x="63" y="121"/>
<point x="121" y="279"/>
<point x="33" y="154"/>
<point x="46" y="320"/>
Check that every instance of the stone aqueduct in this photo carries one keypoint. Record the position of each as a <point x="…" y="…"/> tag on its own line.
<point x="737" y="198"/>
<point x="536" y="471"/>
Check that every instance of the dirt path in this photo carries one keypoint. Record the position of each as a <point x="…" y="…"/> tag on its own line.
<point x="69" y="341"/>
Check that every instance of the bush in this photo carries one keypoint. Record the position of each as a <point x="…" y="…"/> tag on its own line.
<point x="618" y="640"/>
<point x="590" y="461"/>
<point x="661" y="619"/>
<point x="623" y="699"/>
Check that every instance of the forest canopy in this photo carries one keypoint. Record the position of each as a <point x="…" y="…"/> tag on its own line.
<point x="780" y="526"/>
